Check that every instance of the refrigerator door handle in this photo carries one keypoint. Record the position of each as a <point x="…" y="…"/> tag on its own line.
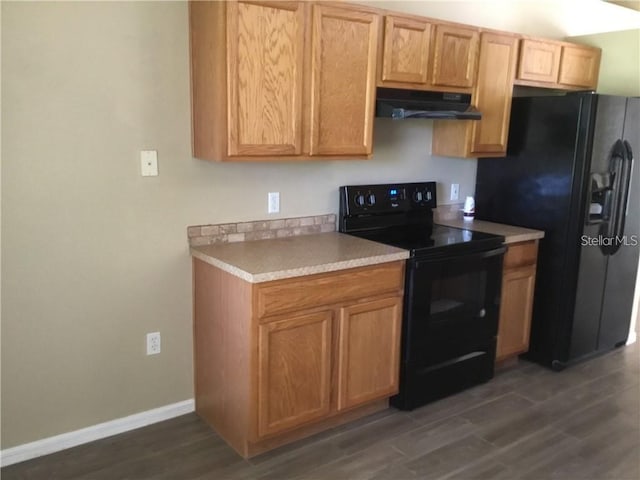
<point x="629" y="160"/>
<point x="620" y="166"/>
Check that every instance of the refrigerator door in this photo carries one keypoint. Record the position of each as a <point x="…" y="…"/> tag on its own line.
<point x="541" y="185"/>
<point x="615" y="208"/>
<point x="592" y="269"/>
<point x="623" y="265"/>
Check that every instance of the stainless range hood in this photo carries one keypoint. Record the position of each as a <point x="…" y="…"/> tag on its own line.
<point x="401" y="104"/>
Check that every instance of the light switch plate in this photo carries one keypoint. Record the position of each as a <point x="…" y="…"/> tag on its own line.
<point x="149" y="163"/>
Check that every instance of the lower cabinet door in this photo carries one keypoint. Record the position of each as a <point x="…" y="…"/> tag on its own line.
<point x="368" y="351"/>
<point x="294" y="358"/>
<point x="515" y="311"/>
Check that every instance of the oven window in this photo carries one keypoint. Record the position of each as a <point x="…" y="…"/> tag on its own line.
<point x="455" y="294"/>
<point x="451" y="306"/>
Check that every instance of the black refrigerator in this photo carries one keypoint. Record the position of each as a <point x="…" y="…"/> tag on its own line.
<point x="569" y="171"/>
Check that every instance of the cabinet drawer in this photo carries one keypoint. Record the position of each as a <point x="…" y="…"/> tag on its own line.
<point x="327" y="289"/>
<point x="519" y="254"/>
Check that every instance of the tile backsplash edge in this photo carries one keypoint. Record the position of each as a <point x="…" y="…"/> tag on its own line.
<point x="260" y="230"/>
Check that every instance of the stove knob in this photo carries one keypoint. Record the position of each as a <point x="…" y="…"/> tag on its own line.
<point x="371" y="199"/>
<point x="417" y="196"/>
<point x="359" y="200"/>
<point x="427" y="195"/>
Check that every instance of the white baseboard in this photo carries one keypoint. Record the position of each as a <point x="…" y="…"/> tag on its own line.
<point x="56" y="443"/>
<point x="632" y="337"/>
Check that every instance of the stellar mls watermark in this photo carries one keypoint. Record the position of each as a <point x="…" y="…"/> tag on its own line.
<point x="604" y="241"/>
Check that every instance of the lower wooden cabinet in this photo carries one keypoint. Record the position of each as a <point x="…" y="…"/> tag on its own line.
<point x="518" y="284"/>
<point x="294" y="367"/>
<point x="369" y="351"/>
<point x="280" y="360"/>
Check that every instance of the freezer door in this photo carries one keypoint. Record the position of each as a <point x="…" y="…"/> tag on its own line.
<point x="540" y="185"/>
<point x="623" y="265"/>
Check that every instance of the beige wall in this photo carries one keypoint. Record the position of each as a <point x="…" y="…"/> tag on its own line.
<point x="93" y="255"/>
<point x="620" y="67"/>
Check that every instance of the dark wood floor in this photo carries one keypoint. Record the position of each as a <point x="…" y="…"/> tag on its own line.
<point x="527" y="423"/>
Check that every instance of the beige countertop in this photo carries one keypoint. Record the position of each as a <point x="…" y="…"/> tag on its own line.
<point x="510" y="233"/>
<point x="265" y="260"/>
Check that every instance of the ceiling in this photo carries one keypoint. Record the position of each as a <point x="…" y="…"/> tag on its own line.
<point x="547" y="18"/>
<point x="633" y="4"/>
<point x="585" y="17"/>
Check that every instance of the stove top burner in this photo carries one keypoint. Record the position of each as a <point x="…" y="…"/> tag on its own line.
<point x="401" y="215"/>
<point x="436" y="240"/>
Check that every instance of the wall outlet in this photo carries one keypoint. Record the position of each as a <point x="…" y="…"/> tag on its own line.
<point x="273" y="202"/>
<point x="455" y="191"/>
<point x="153" y="343"/>
<point x="149" y="163"/>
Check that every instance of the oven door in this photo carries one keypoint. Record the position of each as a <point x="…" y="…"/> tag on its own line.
<point x="451" y="307"/>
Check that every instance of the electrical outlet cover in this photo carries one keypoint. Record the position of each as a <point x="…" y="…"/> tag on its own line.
<point x="273" y="202"/>
<point x="455" y="191"/>
<point x="153" y="343"/>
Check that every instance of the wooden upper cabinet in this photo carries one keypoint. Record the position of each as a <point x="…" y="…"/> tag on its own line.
<point x="265" y="63"/>
<point x="539" y="61"/>
<point x="491" y="96"/>
<point x="455" y="52"/>
<point x="405" y="56"/>
<point x="579" y="66"/>
<point x="561" y="65"/>
<point x="247" y="79"/>
<point x="369" y="351"/>
<point x="278" y="80"/>
<point x="294" y="365"/>
<point x="343" y="67"/>
<point x="493" y="93"/>
<point x="296" y="80"/>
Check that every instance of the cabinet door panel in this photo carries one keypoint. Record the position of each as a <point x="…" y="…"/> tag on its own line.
<point x="579" y="66"/>
<point x="496" y="71"/>
<point x="539" y="61"/>
<point x="455" y="53"/>
<point x="515" y="311"/>
<point x="369" y="351"/>
<point x="294" y="359"/>
<point x="344" y="44"/>
<point x="264" y="78"/>
<point x="406" y="50"/>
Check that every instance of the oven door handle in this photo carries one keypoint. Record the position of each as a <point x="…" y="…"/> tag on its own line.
<point x="463" y="256"/>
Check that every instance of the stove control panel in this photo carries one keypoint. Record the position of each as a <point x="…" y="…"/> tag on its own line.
<point x="387" y="198"/>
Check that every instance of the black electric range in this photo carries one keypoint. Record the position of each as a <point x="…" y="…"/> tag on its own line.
<point x="452" y="288"/>
<point x="433" y="241"/>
